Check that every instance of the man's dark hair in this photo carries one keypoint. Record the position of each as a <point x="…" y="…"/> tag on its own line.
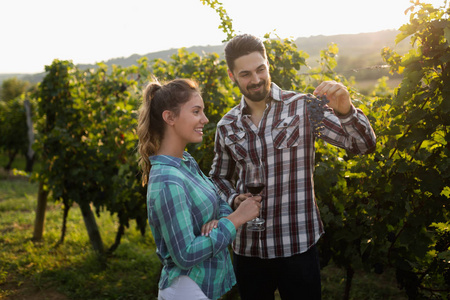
<point x="241" y="45"/>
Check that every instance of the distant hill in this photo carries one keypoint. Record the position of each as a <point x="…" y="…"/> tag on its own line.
<point x="355" y="51"/>
<point x="356" y="44"/>
<point x="166" y="54"/>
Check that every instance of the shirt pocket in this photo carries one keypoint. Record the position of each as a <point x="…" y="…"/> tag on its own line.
<point x="285" y="132"/>
<point x="236" y="142"/>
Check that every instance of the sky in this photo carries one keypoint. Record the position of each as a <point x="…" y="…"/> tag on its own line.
<point x="35" y="32"/>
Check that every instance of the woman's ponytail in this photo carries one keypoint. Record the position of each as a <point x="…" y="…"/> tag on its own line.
<point x="147" y="123"/>
<point x="156" y="99"/>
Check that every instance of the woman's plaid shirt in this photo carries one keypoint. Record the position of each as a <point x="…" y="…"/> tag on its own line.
<point x="284" y="142"/>
<point x="180" y="199"/>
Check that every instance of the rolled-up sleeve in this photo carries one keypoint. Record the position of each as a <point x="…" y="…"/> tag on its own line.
<point x="352" y="132"/>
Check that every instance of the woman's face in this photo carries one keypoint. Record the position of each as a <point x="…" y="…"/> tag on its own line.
<point x="188" y="125"/>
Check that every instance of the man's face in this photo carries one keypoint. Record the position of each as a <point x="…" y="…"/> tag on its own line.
<point x="251" y="75"/>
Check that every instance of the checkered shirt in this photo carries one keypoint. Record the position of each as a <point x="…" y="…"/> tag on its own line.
<point x="284" y="142"/>
<point x="180" y="199"/>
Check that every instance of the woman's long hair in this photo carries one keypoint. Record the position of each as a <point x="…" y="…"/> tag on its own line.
<point x="151" y="127"/>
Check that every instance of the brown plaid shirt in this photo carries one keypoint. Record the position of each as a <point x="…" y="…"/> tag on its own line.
<point x="284" y="142"/>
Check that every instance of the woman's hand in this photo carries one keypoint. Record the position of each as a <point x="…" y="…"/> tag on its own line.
<point x="208" y="227"/>
<point x="247" y="210"/>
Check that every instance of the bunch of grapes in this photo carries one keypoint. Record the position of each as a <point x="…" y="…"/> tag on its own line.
<point x="316" y="108"/>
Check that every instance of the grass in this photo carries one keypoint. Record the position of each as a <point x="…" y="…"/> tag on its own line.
<point x="72" y="269"/>
<point x="365" y="286"/>
<point x="31" y="270"/>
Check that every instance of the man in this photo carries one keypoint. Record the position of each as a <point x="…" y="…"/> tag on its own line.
<point x="273" y="126"/>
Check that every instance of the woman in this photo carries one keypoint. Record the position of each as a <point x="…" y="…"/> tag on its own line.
<point x="191" y="225"/>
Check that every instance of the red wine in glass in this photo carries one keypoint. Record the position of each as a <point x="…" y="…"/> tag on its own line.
<point x="254" y="182"/>
<point x="255" y="188"/>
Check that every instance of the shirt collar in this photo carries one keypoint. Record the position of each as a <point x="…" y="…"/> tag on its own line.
<point x="169" y="160"/>
<point x="274" y="94"/>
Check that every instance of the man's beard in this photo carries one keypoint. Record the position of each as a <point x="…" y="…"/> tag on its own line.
<point x="256" y="96"/>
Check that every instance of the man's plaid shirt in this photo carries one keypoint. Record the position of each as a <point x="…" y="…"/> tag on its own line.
<point x="180" y="199"/>
<point x="284" y="142"/>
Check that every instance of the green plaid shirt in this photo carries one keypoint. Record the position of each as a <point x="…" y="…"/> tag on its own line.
<point x="180" y="199"/>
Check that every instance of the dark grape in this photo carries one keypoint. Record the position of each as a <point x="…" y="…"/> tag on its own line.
<point x="391" y="236"/>
<point x="316" y="107"/>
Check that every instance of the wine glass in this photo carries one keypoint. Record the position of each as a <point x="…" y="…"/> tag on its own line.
<point x="254" y="182"/>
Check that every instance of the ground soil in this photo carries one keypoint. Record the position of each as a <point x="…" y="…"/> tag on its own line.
<point x="28" y="291"/>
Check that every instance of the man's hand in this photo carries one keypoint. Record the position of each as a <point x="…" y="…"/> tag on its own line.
<point x="239" y="199"/>
<point x="337" y="94"/>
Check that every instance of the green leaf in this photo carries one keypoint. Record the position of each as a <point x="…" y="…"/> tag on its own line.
<point x="447" y="33"/>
